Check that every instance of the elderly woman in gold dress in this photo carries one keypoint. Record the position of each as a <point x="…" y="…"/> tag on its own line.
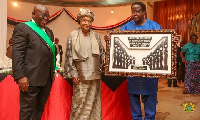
<point x="84" y="58"/>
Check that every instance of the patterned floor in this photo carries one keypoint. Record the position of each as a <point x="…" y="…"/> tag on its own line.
<point x="174" y="105"/>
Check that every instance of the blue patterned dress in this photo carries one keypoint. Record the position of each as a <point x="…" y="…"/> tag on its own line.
<point x="192" y="70"/>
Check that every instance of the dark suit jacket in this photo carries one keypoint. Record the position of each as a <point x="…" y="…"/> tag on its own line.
<point x="31" y="56"/>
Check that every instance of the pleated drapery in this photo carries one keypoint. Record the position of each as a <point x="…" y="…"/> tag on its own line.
<point x="176" y="14"/>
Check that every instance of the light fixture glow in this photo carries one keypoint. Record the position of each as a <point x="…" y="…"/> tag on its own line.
<point x="81" y="9"/>
<point x="111" y="11"/>
<point x="15" y="4"/>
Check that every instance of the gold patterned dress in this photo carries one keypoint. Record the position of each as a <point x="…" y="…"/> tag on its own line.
<point x="86" y="99"/>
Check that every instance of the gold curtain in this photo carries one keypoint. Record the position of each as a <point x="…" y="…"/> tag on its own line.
<point x="177" y="14"/>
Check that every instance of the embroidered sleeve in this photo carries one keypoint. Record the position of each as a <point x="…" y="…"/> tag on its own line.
<point x="101" y="49"/>
<point x="69" y="68"/>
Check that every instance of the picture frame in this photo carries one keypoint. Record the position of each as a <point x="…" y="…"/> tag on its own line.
<point x="141" y="53"/>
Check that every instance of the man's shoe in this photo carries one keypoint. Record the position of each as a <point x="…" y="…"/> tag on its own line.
<point x="169" y="85"/>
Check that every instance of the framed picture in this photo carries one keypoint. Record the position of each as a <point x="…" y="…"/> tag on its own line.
<point x="142" y="53"/>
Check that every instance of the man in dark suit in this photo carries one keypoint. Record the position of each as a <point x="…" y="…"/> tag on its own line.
<point x="59" y="53"/>
<point x="33" y="56"/>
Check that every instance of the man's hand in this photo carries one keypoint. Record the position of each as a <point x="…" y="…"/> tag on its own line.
<point x="76" y="80"/>
<point x="23" y="84"/>
<point x="54" y="77"/>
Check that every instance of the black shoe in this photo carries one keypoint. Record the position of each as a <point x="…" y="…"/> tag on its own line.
<point x="175" y="86"/>
<point x="169" y="85"/>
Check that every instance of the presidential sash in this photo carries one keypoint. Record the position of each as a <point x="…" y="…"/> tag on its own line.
<point x="44" y="36"/>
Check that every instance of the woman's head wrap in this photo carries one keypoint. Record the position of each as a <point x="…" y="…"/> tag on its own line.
<point x="85" y="12"/>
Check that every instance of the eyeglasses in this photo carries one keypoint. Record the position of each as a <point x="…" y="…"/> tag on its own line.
<point x="136" y="11"/>
<point x="43" y="15"/>
<point x="86" y="21"/>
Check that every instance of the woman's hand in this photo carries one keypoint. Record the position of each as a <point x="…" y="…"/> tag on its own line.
<point x="183" y="59"/>
<point x="182" y="56"/>
<point x="76" y="80"/>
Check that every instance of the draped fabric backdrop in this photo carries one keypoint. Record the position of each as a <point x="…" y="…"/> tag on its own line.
<point x="115" y="100"/>
<point x="176" y="14"/>
<point x="3" y="26"/>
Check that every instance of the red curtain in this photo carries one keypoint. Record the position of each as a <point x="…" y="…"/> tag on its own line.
<point x="176" y="14"/>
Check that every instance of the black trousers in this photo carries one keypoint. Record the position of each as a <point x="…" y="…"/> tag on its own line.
<point x="33" y="101"/>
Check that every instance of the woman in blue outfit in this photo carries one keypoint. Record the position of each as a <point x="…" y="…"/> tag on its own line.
<point x="191" y="51"/>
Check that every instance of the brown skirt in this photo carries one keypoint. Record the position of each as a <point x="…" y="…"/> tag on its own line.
<point x="86" y="101"/>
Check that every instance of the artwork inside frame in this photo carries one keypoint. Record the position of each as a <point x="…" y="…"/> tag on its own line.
<point x="141" y="53"/>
